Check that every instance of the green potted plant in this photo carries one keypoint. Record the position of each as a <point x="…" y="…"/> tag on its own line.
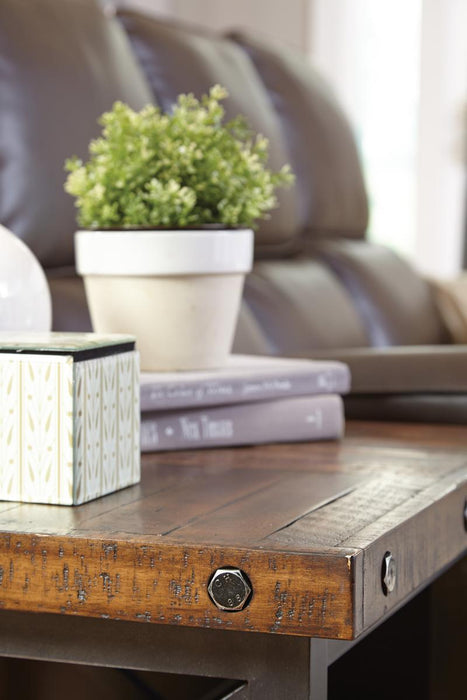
<point x="167" y="203"/>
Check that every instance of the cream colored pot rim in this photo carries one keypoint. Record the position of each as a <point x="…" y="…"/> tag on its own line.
<point x="167" y="252"/>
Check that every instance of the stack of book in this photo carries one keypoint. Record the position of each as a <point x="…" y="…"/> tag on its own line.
<point x="252" y="400"/>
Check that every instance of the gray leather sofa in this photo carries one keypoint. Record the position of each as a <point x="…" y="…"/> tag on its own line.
<point x="318" y="287"/>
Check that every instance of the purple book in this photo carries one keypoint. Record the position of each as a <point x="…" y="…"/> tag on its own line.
<point x="245" y="378"/>
<point x="298" y="418"/>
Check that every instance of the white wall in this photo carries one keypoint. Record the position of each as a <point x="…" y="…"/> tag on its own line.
<point x="442" y="136"/>
<point x="373" y="61"/>
<point x="400" y="70"/>
<point x="279" y="19"/>
<point x="156" y="7"/>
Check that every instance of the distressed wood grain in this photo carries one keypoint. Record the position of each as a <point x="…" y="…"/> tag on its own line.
<point x="155" y="582"/>
<point x="308" y="524"/>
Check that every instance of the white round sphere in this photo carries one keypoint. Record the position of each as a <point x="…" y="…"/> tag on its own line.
<point x="25" y="303"/>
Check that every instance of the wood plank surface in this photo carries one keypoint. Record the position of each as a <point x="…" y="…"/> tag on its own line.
<point x="308" y="523"/>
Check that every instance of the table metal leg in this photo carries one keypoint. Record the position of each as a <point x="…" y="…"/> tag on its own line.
<point x="275" y="667"/>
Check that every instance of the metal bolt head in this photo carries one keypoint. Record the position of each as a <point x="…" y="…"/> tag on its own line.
<point x="389" y="573"/>
<point x="229" y="589"/>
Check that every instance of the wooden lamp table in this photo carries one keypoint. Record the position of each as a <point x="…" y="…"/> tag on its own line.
<point x="306" y="548"/>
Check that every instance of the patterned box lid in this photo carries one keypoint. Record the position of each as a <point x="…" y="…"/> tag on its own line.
<point x="81" y="346"/>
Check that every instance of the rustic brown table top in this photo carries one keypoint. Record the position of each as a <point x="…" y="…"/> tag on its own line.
<point x="309" y="523"/>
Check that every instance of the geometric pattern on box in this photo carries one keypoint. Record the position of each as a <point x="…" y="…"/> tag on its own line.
<point x="69" y="431"/>
<point x="107" y="456"/>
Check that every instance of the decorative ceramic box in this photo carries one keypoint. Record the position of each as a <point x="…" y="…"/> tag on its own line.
<point x="69" y="416"/>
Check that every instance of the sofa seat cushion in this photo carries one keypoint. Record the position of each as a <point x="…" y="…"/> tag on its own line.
<point x="395" y="304"/>
<point x="300" y="306"/>
<point x="61" y="65"/>
<point x="177" y="59"/>
<point x="413" y="408"/>
<point x="69" y="305"/>
<point x="323" y="153"/>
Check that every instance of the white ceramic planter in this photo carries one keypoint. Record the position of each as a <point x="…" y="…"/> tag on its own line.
<point x="178" y="292"/>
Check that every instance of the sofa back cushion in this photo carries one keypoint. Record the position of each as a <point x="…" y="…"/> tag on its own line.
<point x="61" y="65"/>
<point x="321" y="144"/>
<point x="396" y="305"/>
<point x="300" y="306"/>
<point x="177" y="59"/>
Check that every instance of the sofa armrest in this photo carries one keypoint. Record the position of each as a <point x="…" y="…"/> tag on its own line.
<point x="451" y="299"/>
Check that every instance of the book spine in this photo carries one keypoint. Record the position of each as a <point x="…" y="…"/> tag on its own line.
<point x="285" y="420"/>
<point x="332" y="380"/>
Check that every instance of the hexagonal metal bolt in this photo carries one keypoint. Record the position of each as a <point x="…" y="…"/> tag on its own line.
<point x="230" y="589"/>
<point x="388" y="573"/>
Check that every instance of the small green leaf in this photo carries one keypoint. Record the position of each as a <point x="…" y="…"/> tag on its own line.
<point x="188" y="168"/>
